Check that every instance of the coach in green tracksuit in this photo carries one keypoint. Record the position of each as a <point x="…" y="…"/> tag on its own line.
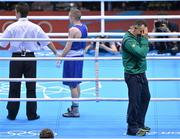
<point x="134" y="51"/>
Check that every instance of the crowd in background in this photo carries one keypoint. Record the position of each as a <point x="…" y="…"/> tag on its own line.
<point x="109" y="6"/>
<point x="162" y="47"/>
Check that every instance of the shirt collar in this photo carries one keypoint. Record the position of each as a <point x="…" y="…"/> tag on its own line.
<point x="22" y="19"/>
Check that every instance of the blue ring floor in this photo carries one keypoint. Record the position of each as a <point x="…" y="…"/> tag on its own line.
<point x="98" y="119"/>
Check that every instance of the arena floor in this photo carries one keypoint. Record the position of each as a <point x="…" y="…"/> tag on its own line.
<point x="98" y="119"/>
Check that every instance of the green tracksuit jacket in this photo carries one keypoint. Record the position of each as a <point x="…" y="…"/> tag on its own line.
<point x="134" y="52"/>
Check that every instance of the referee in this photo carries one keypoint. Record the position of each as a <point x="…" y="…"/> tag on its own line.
<point x="23" y="28"/>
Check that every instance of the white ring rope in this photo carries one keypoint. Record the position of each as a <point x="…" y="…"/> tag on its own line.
<point x="82" y="99"/>
<point x="118" y="34"/>
<point x="114" y="34"/>
<point x="80" y="79"/>
<point x="85" y="40"/>
<point x="81" y="58"/>
<point x="97" y="69"/>
<point x="119" y="17"/>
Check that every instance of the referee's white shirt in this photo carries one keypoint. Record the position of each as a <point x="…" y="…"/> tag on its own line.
<point x="23" y="28"/>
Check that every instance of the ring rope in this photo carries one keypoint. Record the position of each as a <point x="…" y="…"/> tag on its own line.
<point x="85" y="40"/>
<point x="81" y="79"/>
<point x="82" y="99"/>
<point x="82" y="58"/>
<point x="97" y="69"/>
<point x="131" y="17"/>
<point x="118" y="34"/>
<point x="115" y="34"/>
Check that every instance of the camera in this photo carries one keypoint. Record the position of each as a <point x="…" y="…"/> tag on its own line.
<point x="160" y="23"/>
<point x="102" y="37"/>
<point x="161" y="26"/>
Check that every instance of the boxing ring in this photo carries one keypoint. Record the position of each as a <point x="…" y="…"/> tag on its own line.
<point x="103" y="101"/>
<point x="98" y="119"/>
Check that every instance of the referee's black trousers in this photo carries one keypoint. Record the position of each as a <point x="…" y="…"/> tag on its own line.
<point x="139" y="97"/>
<point x="17" y="70"/>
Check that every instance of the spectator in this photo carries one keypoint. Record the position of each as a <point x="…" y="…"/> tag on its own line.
<point x="46" y="133"/>
<point x="42" y="6"/>
<point x="163" y="25"/>
<point x="104" y="47"/>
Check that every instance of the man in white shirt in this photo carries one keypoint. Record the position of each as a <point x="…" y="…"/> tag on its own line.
<point x="23" y="28"/>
